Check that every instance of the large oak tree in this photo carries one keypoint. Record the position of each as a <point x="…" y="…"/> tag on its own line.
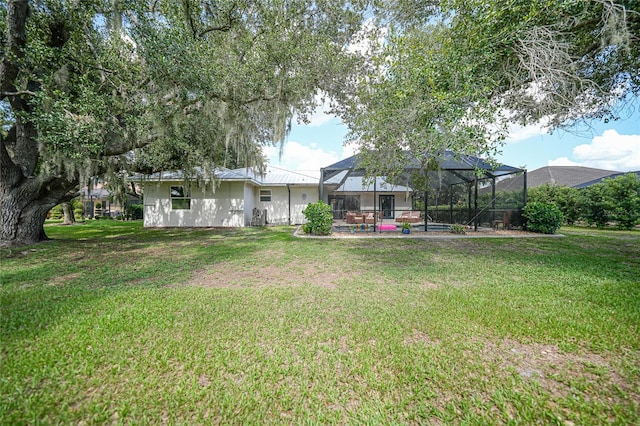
<point x="93" y="87"/>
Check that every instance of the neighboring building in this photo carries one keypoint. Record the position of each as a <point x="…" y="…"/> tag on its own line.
<point x="99" y="202"/>
<point x="239" y="198"/>
<point x="571" y="176"/>
<point x="613" y="176"/>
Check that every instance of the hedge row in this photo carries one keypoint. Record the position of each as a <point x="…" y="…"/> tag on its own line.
<point x="614" y="200"/>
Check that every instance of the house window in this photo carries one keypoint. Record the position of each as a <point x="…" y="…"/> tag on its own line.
<point x="265" y="195"/>
<point x="180" y="198"/>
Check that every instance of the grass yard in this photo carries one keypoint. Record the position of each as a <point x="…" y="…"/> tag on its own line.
<point x="113" y="323"/>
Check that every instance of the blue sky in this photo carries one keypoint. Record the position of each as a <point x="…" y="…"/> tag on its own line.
<point x="612" y="146"/>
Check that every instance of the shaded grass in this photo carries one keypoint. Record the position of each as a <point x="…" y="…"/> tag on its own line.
<point x="113" y="323"/>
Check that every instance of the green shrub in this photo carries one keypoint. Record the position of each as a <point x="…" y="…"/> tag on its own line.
<point x="319" y="217"/>
<point x="624" y="195"/>
<point x="458" y="229"/>
<point x="56" y="212"/>
<point x="567" y="199"/>
<point x="596" y="208"/>
<point x="541" y="217"/>
<point x="135" y="211"/>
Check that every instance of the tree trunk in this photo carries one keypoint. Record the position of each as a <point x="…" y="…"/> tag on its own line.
<point x="26" y="202"/>
<point x="69" y="216"/>
<point x="22" y="221"/>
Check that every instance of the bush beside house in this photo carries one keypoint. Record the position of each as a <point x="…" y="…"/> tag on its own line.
<point x="319" y="217"/>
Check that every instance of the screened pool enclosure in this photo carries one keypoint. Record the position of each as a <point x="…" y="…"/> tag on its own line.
<point x="460" y="189"/>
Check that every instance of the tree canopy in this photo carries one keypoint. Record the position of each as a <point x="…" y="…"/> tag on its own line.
<point x="453" y="73"/>
<point x="97" y="87"/>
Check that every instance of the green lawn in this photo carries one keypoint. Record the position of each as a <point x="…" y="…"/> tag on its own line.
<point x="114" y="323"/>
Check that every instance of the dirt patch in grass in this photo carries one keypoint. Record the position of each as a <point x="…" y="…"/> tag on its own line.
<point x="420" y="337"/>
<point x="270" y="269"/>
<point x="64" y="279"/>
<point x="227" y="274"/>
<point x="561" y="374"/>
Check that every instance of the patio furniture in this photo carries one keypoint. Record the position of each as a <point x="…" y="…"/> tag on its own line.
<point x="410" y="216"/>
<point x="505" y="221"/>
<point x="351" y="217"/>
<point x="368" y="217"/>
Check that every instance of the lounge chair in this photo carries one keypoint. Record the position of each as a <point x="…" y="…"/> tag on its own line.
<point x="506" y="221"/>
<point x="368" y="217"/>
<point x="411" y="217"/>
<point x="351" y="217"/>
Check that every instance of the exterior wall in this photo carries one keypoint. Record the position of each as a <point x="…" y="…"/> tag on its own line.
<point x="230" y="205"/>
<point x="301" y="196"/>
<point x="249" y="203"/>
<point x="224" y="207"/>
<point x="278" y="207"/>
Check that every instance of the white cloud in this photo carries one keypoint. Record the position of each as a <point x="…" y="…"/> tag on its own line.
<point x="517" y="133"/>
<point x="610" y="151"/>
<point x="562" y="161"/>
<point x="296" y="156"/>
<point x="306" y="158"/>
<point x="349" y="149"/>
<point x="369" y="39"/>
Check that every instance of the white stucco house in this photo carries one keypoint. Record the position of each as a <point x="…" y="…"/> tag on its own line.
<point x="240" y="198"/>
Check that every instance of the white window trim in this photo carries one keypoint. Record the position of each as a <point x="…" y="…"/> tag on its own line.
<point x="186" y="197"/>
<point x="265" y="195"/>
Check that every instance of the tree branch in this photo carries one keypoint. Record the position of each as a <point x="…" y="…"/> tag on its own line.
<point x="16" y="41"/>
<point x="16" y="93"/>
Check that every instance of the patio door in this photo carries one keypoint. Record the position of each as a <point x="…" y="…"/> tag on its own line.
<point x="337" y="206"/>
<point x="387" y="206"/>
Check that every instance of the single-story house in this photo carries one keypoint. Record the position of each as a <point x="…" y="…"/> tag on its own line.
<point x="238" y="198"/>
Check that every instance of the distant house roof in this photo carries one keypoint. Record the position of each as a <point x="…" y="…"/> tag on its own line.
<point x="571" y="176"/>
<point x="612" y="176"/>
<point x="95" y="193"/>
<point x="274" y="176"/>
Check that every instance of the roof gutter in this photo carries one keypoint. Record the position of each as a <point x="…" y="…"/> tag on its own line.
<point x="289" y="203"/>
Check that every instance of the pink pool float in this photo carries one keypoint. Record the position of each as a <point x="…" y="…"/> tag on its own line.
<point x="387" y="227"/>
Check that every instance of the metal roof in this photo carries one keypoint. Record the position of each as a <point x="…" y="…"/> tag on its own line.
<point x="274" y="176"/>
<point x="279" y="176"/>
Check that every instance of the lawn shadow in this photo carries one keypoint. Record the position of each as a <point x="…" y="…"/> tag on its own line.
<point x="45" y="282"/>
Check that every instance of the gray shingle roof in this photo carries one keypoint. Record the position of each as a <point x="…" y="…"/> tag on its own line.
<point x="571" y="176"/>
<point x="613" y="176"/>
